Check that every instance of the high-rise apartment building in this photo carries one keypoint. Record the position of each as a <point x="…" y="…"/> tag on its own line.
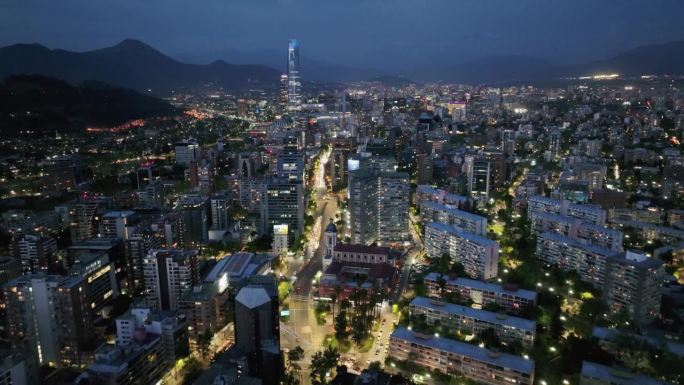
<point x="82" y="218"/>
<point x="9" y="269"/>
<point x="425" y="168"/>
<point x="499" y="170"/>
<point x="35" y="253"/>
<point x="118" y="224"/>
<point x="568" y="254"/>
<point x="633" y="284"/>
<point x="290" y="164"/>
<point x="478" y="255"/>
<point x="167" y="274"/>
<point x="50" y="316"/>
<point x="479" y="178"/>
<point x="555" y="138"/>
<point x="220" y="212"/>
<point x="18" y="368"/>
<point x="378" y="201"/>
<point x="194" y="220"/>
<point x="137" y="247"/>
<point x="147" y="173"/>
<point x="363" y="206"/>
<point x="393" y="199"/>
<point x="282" y="96"/>
<point x="148" y="344"/>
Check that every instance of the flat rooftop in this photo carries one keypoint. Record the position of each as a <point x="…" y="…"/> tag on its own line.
<point x="484" y="315"/>
<point x="617" y="376"/>
<point x="484" y="286"/>
<point x="509" y="361"/>
<point x="453" y="211"/>
<point x="472" y="237"/>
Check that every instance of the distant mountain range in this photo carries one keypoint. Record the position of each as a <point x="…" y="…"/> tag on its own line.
<point x="657" y="59"/>
<point x="133" y="64"/>
<point x="44" y="105"/>
<point x="654" y="59"/>
<point x="314" y="69"/>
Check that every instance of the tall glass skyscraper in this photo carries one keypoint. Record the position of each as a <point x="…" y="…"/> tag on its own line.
<point x="294" y="84"/>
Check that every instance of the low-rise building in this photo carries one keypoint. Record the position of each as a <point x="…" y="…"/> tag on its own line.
<point x="509" y="297"/>
<point x="472" y="321"/>
<point x="139" y="363"/>
<point x="610" y="339"/>
<point x="597" y="374"/>
<point x="349" y="276"/>
<point x="345" y="252"/>
<point x="170" y="326"/>
<point x="454" y="357"/>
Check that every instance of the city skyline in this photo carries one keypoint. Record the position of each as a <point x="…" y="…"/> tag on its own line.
<point x="473" y="220"/>
<point x="557" y="32"/>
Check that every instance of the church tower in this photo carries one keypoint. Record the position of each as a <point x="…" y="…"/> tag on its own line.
<point x="330" y="242"/>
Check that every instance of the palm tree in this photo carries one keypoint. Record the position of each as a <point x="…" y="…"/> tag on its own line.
<point x="321" y="364"/>
<point x="333" y="300"/>
<point x="375" y="298"/>
<point x="294" y="356"/>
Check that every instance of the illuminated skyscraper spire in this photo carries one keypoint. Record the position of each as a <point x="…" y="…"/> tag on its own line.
<point x="294" y="85"/>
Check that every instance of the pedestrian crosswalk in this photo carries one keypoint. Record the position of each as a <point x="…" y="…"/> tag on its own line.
<point x="300" y="297"/>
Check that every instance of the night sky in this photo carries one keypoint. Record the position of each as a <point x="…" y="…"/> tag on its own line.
<point x="369" y="33"/>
